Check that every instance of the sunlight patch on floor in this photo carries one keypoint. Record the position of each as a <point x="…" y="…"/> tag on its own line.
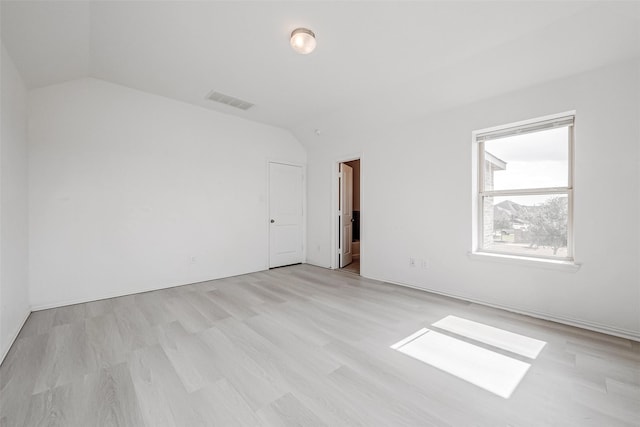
<point x="490" y="370"/>
<point x="515" y="343"/>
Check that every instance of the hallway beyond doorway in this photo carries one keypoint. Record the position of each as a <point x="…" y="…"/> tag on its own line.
<point x="354" y="267"/>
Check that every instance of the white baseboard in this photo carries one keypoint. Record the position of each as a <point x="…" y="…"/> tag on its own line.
<point x="592" y="326"/>
<point x="315" y="264"/>
<point x="124" y="293"/>
<point x="98" y="297"/>
<point x="14" y="337"/>
<point x="579" y="323"/>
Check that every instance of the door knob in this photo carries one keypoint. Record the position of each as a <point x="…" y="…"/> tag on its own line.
<point x="353" y="220"/>
<point x="272" y="221"/>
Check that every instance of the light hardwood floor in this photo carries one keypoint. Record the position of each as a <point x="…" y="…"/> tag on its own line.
<point x="295" y="346"/>
<point x="354" y="267"/>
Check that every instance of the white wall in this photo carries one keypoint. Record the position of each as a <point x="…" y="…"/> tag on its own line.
<point x="14" y="295"/>
<point x="126" y="187"/>
<point x="416" y="201"/>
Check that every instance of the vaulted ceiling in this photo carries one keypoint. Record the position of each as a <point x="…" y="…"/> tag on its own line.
<point x="374" y="60"/>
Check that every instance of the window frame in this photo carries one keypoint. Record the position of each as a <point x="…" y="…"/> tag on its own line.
<point x="512" y="129"/>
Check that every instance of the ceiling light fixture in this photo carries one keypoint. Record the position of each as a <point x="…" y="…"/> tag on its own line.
<point x="303" y="40"/>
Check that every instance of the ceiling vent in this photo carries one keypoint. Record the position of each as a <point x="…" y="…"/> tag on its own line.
<point x="228" y="100"/>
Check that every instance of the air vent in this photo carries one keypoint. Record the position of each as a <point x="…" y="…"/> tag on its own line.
<point x="228" y="100"/>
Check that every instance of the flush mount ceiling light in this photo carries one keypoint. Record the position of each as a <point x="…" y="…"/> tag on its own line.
<point x="303" y="40"/>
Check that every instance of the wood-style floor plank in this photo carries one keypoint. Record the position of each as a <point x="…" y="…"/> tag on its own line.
<point x="220" y="404"/>
<point x="289" y="412"/>
<point x="297" y="346"/>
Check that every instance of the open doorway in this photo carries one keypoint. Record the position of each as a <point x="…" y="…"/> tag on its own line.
<point x="349" y="216"/>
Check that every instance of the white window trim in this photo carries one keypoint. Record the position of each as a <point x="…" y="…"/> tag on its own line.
<point x="546" y="263"/>
<point x="478" y="138"/>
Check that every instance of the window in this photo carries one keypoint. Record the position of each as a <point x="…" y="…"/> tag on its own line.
<point x="525" y="189"/>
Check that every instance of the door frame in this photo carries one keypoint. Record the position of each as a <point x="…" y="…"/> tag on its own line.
<point x="267" y="215"/>
<point x="335" y="194"/>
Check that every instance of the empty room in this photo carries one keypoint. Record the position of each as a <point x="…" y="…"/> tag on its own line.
<point x="314" y="213"/>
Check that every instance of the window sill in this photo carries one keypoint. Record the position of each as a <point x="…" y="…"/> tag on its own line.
<point x="551" y="264"/>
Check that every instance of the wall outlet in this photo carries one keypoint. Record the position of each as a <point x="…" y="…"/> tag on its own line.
<point x="192" y="260"/>
<point x="412" y="262"/>
<point x="424" y="263"/>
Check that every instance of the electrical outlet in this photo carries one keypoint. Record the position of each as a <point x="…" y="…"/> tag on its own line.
<point x="412" y="262"/>
<point x="424" y="263"/>
<point x="192" y="260"/>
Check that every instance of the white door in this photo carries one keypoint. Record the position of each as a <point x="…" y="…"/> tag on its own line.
<point x="346" y="214"/>
<point x="285" y="214"/>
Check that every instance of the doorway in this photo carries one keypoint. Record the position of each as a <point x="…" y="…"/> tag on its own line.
<point x="349" y="229"/>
